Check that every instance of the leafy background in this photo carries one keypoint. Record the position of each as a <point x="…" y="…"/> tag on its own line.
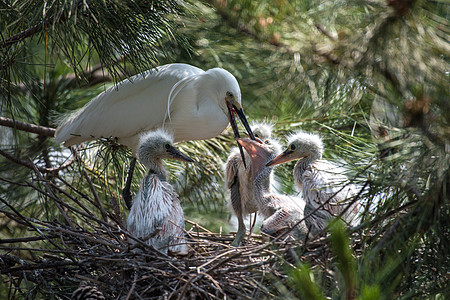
<point x="371" y="77"/>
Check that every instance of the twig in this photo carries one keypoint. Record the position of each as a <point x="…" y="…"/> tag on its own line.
<point x="34" y="29"/>
<point x="50" y="191"/>
<point x="18" y="125"/>
<point x="22" y="35"/>
<point x="133" y="286"/>
<point x="26" y="239"/>
<point x="32" y="166"/>
<point x="325" y="32"/>
<point x="96" y="198"/>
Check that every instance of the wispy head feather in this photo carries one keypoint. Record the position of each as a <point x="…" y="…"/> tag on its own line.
<point x="152" y="146"/>
<point x="262" y="130"/>
<point x="306" y="144"/>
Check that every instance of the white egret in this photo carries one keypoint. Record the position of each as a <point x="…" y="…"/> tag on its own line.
<point x="321" y="182"/>
<point x="156" y="215"/>
<point x="240" y="183"/>
<point x="281" y="212"/>
<point x="188" y="102"/>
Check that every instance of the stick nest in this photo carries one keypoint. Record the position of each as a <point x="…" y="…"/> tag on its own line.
<point x="102" y="262"/>
<point x="86" y="254"/>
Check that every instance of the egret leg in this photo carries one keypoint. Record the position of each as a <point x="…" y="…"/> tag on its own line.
<point x="241" y="231"/>
<point x="236" y="203"/>
<point x="126" y="192"/>
<point x="252" y="226"/>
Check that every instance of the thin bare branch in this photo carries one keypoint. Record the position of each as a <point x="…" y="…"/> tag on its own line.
<point x="18" y="125"/>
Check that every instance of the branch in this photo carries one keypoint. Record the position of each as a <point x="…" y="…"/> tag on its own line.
<point x="325" y="32"/>
<point x="30" y="165"/>
<point x="33" y="29"/>
<point x="41" y="130"/>
<point x="22" y="35"/>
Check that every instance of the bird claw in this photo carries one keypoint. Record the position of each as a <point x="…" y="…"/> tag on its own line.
<point x="236" y="242"/>
<point x="238" y="239"/>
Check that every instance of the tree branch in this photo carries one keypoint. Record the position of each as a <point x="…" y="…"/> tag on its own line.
<point x="41" y="130"/>
<point x="325" y="32"/>
<point x="21" y="35"/>
<point x="33" y="29"/>
<point x="30" y="166"/>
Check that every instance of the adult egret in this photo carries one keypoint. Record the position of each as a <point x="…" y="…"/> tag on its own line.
<point x="156" y="215"/>
<point x="240" y="183"/>
<point x="322" y="183"/>
<point x="188" y="102"/>
<point x="281" y="212"/>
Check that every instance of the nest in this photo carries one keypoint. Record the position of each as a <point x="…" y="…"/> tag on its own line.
<point x="100" y="262"/>
<point x="87" y="254"/>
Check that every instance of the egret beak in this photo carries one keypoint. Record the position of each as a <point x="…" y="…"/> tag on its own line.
<point x="257" y="153"/>
<point x="177" y="155"/>
<point x="256" y="138"/>
<point x="286" y="156"/>
<point x="232" y="108"/>
<point x="240" y="112"/>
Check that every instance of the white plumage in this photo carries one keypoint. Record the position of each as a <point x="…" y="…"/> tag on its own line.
<point x="281" y="212"/>
<point x="156" y="215"/>
<point x="188" y="102"/>
<point x="321" y="182"/>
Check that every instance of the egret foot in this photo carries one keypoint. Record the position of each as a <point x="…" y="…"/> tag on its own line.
<point x="126" y="192"/>
<point x="239" y="236"/>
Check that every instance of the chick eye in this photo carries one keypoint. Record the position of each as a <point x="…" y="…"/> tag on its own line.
<point x="167" y="146"/>
<point x="229" y="94"/>
<point x="292" y="147"/>
<point x="267" y="142"/>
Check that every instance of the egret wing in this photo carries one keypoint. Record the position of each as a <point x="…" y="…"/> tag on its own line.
<point x="136" y="104"/>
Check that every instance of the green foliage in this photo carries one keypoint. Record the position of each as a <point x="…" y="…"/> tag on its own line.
<point x="344" y="260"/>
<point x="302" y="278"/>
<point x="353" y="285"/>
<point x="371" y="77"/>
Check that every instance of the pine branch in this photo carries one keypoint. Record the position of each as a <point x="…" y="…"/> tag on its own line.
<point x="29" y="32"/>
<point x="18" y="125"/>
<point x="31" y="166"/>
<point x="21" y="35"/>
<point x="325" y="32"/>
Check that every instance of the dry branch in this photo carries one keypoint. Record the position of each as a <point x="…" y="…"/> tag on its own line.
<point x="18" y="125"/>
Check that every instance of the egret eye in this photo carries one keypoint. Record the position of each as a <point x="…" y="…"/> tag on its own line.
<point x="256" y="135"/>
<point x="167" y="146"/>
<point x="229" y="94"/>
<point x="292" y="147"/>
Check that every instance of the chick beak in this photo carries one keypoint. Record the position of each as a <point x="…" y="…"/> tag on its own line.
<point x="282" y="158"/>
<point x="257" y="153"/>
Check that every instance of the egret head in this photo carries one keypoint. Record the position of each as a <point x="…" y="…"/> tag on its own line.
<point x="300" y="145"/>
<point x="228" y="90"/>
<point x="230" y="98"/>
<point x="260" y="151"/>
<point x="157" y="145"/>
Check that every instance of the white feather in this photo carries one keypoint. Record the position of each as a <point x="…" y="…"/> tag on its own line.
<point x="157" y="210"/>
<point x="156" y="215"/>
<point x="189" y="95"/>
